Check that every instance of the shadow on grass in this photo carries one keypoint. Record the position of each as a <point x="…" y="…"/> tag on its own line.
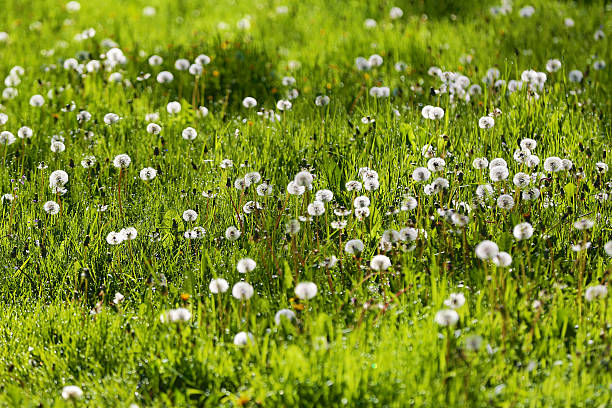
<point x="238" y="68"/>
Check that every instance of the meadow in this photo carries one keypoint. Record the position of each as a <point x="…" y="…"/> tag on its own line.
<point x="305" y="204"/>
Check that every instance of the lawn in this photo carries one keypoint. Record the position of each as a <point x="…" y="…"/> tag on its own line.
<point x="305" y="204"/>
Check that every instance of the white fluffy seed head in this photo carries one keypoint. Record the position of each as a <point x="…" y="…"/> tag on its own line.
<point x="486" y="250"/>
<point x="380" y="263"/>
<point x="521" y="180"/>
<point x="498" y="173"/>
<point x="189" y="133"/>
<point x="522" y="231"/>
<point x="595" y="292"/>
<point x="246" y="265"/>
<point x="122" y="161"/>
<point x="242" y="291"/>
<point x="502" y="259"/>
<point x="242" y="339"/>
<point x="72" y="392"/>
<point x="455" y="300"/>
<point x="51" y="207"/>
<point x="148" y="174"/>
<point x="354" y="247"/>
<point x="505" y="202"/>
<point x="447" y="317"/>
<point x="249" y="102"/>
<point x="486" y="122"/>
<point x="324" y="196"/>
<point x="180" y="314"/>
<point x="218" y="285"/>
<point x="421" y="174"/>
<point x="303" y="178"/>
<point x="584" y="224"/>
<point x="58" y="178"/>
<point x="284" y="314"/>
<point x="480" y="163"/>
<point x="316" y="208"/>
<point x="189" y="215"/>
<point x="173" y="107"/>
<point x="232" y="233"/>
<point x="306" y="290"/>
<point x="553" y="164"/>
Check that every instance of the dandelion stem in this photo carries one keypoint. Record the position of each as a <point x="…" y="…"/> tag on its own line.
<point x="119" y="195"/>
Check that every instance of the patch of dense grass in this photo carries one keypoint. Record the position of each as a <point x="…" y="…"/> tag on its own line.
<point x="133" y="317"/>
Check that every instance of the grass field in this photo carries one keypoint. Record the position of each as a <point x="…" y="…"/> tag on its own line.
<point x="305" y="204"/>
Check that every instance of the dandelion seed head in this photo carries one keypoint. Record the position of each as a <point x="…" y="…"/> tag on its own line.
<point x="58" y="178"/>
<point x="480" y="163"/>
<point x="122" y="161"/>
<point x="354" y="247"/>
<point x="322" y="100"/>
<point x="37" y="101"/>
<point x="486" y="250"/>
<point x="498" y="173"/>
<point x="242" y="338"/>
<point x="521" y="180"/>
<point x="294" y="189"/>
<point x="190" y="215"/>
<point x="173" y="107"/>
<point x="447" y="317"/>
<point x="128" y="233"/>
<point x="316" y="208"/>
<point x="455" y="300"/>
<point x="180" y="314"/>
<point x="51" y="207"/>
<point x="505" y="202"/>
<point x="436" y="164"/>
<point x="232" y="233"/>
<point x="532" y="161"/>
<point x="553" y="164"/>
<point x="303" y="179"/>
<point x="189" y="133"/>
<point x="391" y="236"/>
<point x="408" y="234"/>
<point x="242" y="291"/>
<point x="353" y="185"/>
<point x="486" y="122"/>
<point x="380" y="263"/>
<point x="114" y="238"/>
<point x="409" y="204"/>
<point x="421" y="174"/>
<point x="362" y="213"/>
<point x="522" y="231"/>
<point x="521" y="155"/>
<point x="361" y="202"/>
<point x="218" y="285"/>
<point x="284" y="314"/>
<point x="72" y="392"/>
<point x="601" y="167"/>
<point x="25" y="132"/>
<point x="584" y="224"/>
<point x="575" y="76"/>
<point x="246" y="265"/>
<point x="284" y="105"/>
<point x="6" y="138"/>
<point x="306" y="290"/>
<point x="148" y="174"/>
<point x="595" y="292"/>
<point x="502" y="259"/>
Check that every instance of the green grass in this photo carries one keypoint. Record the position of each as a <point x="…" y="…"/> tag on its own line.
<point x="368" y="342"/>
